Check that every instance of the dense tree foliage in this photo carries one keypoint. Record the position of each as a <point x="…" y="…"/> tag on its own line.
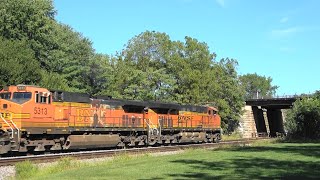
<point x="17" y="63"/>
<point x="63" y="54"/>
<point x="147" y="55"/>
<point x="303" y="121"/>
<point x="227" y="93"/>
<point x="36" y="49"/>
<point x="31" y="21"/>
<point x="257" y="86"/>
<point x="153" y="67"/>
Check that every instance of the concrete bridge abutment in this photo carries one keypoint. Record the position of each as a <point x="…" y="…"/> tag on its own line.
<point x="262" y="122"/>
<point x="264" y="117"/>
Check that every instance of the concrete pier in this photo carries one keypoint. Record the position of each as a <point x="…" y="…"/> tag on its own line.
<point x="264" y="117"/>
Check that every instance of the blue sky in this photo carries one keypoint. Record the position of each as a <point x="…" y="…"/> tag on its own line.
<point x="276" y="38"/>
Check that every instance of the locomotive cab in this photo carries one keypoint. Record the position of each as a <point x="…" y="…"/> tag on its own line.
<point x="215" y="119"/>
<point x="12" y="100"/>
<point x="24" y="102"/>
<point x="21" y="107"/>
<point x="212" y="111"/>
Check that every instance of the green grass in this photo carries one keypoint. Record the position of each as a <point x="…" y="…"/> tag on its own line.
<point x="233" y="136"/>
<point x="25" y="169"/>
<point x="259" y="161"/>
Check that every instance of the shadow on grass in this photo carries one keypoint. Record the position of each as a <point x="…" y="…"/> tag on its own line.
<point x="305" y="150"/>
<point x="254" y="167"/>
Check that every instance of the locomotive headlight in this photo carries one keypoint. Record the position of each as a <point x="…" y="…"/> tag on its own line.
<point x="21" y="88"/>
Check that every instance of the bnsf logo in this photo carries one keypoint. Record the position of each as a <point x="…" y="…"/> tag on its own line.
<point x="6" y="115"/>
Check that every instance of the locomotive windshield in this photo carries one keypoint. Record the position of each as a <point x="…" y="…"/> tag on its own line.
<point x="6" y="95"/>
<point x="21" y="97"/>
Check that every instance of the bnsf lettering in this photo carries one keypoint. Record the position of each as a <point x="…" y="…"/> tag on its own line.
<point x="84" y="115"/>
<point x="38" y="110"/>
<point x="185" y="118"/>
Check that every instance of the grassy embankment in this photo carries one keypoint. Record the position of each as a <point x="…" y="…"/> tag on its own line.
<point x="258" y="161"/>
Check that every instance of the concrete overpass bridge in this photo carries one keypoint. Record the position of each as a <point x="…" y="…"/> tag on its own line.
<point x="264" y="117"/>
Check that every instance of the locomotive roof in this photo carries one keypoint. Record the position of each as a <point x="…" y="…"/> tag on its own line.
<point x="194" y="108"/>
<point x="156" y="105"/>
<point x="149" y="104"/>
<point x="64" y="96"/>
<point x="85" y="98"/>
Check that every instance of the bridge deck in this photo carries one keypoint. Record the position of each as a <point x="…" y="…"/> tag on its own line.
<point x="277" y="103"/>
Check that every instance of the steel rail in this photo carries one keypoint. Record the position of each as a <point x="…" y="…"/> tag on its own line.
<point x="9" y="161"/>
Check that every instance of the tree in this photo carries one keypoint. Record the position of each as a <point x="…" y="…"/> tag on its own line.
<point x="157" y="68"/>
<point x="17" y="63"/>
<point x="190" y="66"/>
<point x="57" y="47"/>
<point x="303" y="121"/>
<point x="100" y="74"/>
<point x="145" y="59"/>
<point x="255" y="84"/>
<point x="227" y="93"/>
<point x="53" y="81"/>
<point x="72" y="58"/>
<point x="30" y="21"/>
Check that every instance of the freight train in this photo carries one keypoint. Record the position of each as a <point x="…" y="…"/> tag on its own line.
<point x="35" y="119"/>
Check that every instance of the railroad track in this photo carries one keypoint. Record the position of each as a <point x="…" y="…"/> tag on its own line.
<point x="7" y="161"/>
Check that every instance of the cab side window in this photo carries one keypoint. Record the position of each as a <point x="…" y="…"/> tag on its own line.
<point x="42" y="98"/>
<point x="37" y="97"/>
<point x="214" y="112"/>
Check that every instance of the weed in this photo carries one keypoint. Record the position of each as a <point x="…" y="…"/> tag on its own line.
<point x="233" y="136"/>
<point x="147" y="154"/>
<point x="122" y="157"/>
<point x="64" y="163"/>
<point x="25" y="170"/>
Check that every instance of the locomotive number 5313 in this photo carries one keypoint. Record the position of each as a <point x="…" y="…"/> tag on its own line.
<point x="38" y="110"/>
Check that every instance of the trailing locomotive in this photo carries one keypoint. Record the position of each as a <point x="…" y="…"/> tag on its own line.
<point x="34" y="119"/>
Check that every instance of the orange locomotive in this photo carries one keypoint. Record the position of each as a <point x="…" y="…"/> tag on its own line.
<point x="36" y="119"/>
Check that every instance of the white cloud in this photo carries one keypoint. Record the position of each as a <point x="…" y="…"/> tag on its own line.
<point x="281" y="33"/>
<point x="284" y="20"/>
<point x="221" y="3"/>
<point x="292" y="31"/>
<point x="286" y="32"/>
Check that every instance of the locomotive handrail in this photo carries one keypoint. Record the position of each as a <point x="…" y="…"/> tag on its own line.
<point x="159" y="126"/>
<point x="7" y="124"/>
<point x="145" y="120"/>
<point x="152" y="125"/>
<point x="18" y="130"/>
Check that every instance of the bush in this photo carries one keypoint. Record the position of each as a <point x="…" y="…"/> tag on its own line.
<point x="303" y="121"/>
